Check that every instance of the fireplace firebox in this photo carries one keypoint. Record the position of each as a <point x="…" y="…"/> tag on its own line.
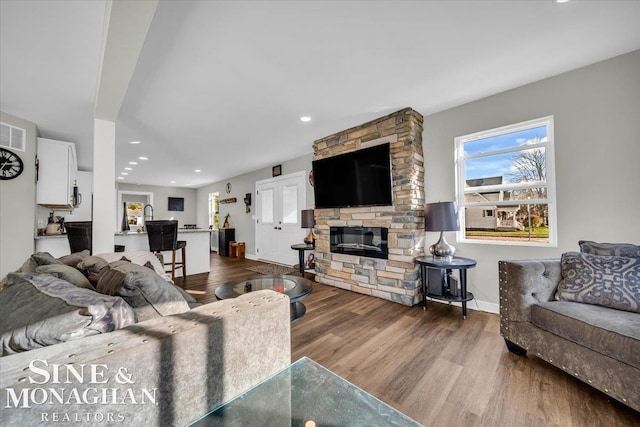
<point x="360" y="241"/>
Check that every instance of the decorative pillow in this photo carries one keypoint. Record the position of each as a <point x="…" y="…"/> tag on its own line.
<point x="75" y="258"/>
<point x="148" y="293"/>
<point x="609" y="249"/>
<point x="608" y="281"/>
<point x="67" y="273"/>
<point x="137" y="257"/>
<point x="47" y="310"/>
<point x="92" y="264"/>
<point x="30" y="265"/>
<point x="44" y="258"/>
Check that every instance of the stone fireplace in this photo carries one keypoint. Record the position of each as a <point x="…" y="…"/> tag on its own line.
<point x="351" y="267"/>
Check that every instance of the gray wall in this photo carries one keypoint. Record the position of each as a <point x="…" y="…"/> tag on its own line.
<point x="243" y="222"/>
<point x="597" y="152"/>
<point x="17" y="203"/>
<point x="161" y="202"/>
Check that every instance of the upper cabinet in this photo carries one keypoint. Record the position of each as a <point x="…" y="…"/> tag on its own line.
<point x="56" y="174"/>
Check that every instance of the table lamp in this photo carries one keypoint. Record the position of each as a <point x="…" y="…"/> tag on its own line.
<point x="308" y="221"/>
<point x="441" y="216"/>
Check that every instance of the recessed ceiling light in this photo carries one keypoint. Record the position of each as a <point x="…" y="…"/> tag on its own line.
<point x="128" y="169"/>
<point x="133" y="163"/>
<point x="143" y="158"/>
<point x="561" y="1"/>
<point x="123" y="173"/>
<point x="173" y="182"/>
<point x="134" y="142"/>
<point x="305" y="119"/>
<point x="121" y="177"/>
<point x="197" y="170"/>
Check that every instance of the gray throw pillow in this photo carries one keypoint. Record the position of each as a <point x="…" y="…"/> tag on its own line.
<point x="67" y="273"/>
<point x="143" y="289"/>
<point x="44" y="258"/>
<point x="608" y="281"/>
<point x="46" y="310"/>
<point x="75" y="258"/>
<point x="92" y="264"/>
<point x="609" y="249"/>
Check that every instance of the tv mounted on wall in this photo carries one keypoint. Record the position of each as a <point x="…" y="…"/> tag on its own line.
<point x="358" y="178"/>
<point x="176" y="203"/>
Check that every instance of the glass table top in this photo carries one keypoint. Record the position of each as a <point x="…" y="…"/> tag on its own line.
<point x="305" y="394"/>
<point x="293" y="286"/>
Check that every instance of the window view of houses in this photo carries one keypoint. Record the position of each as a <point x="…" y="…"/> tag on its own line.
<point x="504" y="183"/>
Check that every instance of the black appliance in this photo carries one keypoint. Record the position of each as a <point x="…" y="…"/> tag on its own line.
<point x="358" y="178"/>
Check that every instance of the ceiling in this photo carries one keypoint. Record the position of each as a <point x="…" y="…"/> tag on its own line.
<point x="220" y="86"/>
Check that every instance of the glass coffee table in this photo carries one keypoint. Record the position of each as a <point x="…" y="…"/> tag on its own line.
<point x="296" y="288"/>
<point x="305" y="394"/>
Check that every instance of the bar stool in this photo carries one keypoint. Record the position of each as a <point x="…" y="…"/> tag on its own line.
<point x="163" y="236"/>
<point x="79" y="234"/>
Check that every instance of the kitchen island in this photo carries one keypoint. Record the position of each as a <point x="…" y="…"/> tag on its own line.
<point x="198" y="247"/>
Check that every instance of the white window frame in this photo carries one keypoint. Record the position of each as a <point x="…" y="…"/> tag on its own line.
<point x="550" y="182"/>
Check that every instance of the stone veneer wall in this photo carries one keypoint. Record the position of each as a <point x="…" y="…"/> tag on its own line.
<point x="396" y="278"/>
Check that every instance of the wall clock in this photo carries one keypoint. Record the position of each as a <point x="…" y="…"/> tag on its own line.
<point x="11" y="165"/>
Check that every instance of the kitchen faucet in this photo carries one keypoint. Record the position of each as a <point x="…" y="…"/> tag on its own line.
<point x="144" y="214"/>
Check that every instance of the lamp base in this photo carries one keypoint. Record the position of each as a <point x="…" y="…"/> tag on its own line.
<point x="310" y="239"/>
<point x="442" y="250"/>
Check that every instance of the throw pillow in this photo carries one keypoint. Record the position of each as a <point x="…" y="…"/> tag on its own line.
<point x="75" y="258"/>
<point x="29" y="266"/>
<point x="137" y="257"/>
<point x="67" y="273"/>
<point x="609" y="249"/>
<point x="149" y="294"/>
<point x="44" y="258"/>
<point x="47" y="310"/>
<point x="608" y="281"/>
<point x="92" y="264"/>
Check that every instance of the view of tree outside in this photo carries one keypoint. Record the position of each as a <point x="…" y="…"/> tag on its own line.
<point x="504" y="191"/>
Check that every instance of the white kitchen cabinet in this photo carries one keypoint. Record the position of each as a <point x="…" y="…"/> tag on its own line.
<point x="85" y="188"/>
<point x="57" y="169"/>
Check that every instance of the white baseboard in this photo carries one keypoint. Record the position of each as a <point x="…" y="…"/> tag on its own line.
<point x="251" y="256"/>
<point x="489" y="307"/>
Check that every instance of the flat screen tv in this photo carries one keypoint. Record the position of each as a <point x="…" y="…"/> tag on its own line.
<point x="358" y="178"/>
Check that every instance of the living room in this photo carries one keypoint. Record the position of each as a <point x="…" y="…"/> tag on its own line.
<point x="594" y="106"/>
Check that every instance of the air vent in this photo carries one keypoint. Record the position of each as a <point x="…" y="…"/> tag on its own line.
<point x="12" y="137"/>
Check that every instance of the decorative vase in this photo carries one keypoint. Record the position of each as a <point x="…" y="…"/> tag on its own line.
<point x="125" y="219"/>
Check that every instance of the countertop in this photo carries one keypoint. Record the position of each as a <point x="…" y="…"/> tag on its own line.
<point x="120" y="233"/>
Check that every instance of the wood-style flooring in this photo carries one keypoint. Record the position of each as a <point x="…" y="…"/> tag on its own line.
<point x="432" y="365"/>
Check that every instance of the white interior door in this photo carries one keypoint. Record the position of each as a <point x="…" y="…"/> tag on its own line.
<point x="280" y="201"/>
<point x="267" y="222"/>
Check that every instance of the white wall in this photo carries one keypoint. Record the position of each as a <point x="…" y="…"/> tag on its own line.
<point x="17" y="203"/>
<point x="161" y="203"/>
<point x="243" y="222"/>
<point x="597" y="152"/>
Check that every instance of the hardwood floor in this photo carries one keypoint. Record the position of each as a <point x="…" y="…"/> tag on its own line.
<point x="432" y="365"/>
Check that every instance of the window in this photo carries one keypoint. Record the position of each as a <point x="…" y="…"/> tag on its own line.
<point x="505" y="184"/>
<point x="214" y="210"/>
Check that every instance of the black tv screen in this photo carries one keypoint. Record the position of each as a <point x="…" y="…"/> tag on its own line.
<point x="358" y="178"/>
<point x="176" y="203"/>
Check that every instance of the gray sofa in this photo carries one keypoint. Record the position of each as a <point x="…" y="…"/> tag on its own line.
<point x="164" y="371"/>
<point x="595" y="344"/>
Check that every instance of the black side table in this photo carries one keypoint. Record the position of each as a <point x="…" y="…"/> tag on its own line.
<point x="444" y="289"/>
<point x="301" y="248"/>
